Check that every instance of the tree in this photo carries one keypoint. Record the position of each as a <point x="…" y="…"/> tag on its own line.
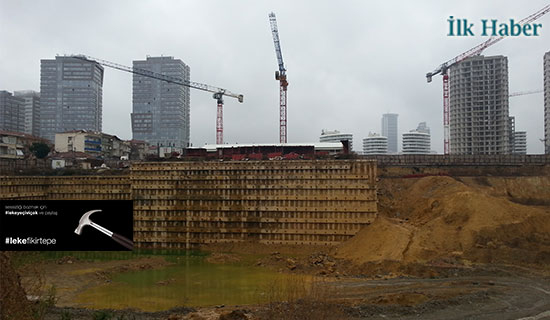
<point x="40" y="149"/>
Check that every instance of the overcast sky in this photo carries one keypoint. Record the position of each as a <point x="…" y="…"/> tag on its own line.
<point x="347" y="62"/>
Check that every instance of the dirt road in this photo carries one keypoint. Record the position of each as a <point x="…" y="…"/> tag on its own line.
<point x="477" y="297"/>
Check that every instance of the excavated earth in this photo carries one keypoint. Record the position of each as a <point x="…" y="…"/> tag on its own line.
<point x="468" y="220"/>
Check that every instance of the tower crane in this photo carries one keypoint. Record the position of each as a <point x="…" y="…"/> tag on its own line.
<point x="281" y="76"/>
<point x="218" y="93"/>
<point x="472" y="52"/>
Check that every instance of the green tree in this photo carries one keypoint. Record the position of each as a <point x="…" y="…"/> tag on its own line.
<point x="40" y="149"/>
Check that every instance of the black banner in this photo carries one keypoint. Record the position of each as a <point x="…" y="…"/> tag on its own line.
<point x="52" y="225"/>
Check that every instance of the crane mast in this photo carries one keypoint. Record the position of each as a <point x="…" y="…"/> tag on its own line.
<point x="442" y="69"/>
<point x="218" y="93"/>
<point x="281" y="76"/>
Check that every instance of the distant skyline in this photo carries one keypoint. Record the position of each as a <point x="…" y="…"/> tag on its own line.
<point x="347" y="62"/>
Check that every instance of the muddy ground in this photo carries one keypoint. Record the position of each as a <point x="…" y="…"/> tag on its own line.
<point x="449" y="292"/>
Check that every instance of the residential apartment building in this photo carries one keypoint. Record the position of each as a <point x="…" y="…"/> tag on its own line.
<point x="375" y="144"/>
<point x="417" y="141"/>
<point x="479" y="122"/>
<point x="15" y="145"/>
<point x="97" y="144"/>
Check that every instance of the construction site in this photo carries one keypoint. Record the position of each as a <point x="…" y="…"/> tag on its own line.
<point x="459" y="235"/>
<point x="304" y="231"/>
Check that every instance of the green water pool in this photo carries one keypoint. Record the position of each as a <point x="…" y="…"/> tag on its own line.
<point x="192" y="281"/>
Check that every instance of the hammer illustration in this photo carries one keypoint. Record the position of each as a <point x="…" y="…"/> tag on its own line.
<point x="85" y="221"/>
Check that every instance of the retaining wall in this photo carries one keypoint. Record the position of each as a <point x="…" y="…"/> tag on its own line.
<point x="272" y="202"/>
<point x="184" y="204"/>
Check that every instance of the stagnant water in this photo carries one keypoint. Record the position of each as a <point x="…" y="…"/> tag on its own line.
<point x="192" y="281"/>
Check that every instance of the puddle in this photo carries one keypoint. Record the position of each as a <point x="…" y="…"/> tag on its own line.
<point x="192" y="282"/>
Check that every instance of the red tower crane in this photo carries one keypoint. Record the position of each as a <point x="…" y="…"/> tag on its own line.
<point x="281" y="76"/>
<point x="472" y="52"/>
<point x="218" y="93"/>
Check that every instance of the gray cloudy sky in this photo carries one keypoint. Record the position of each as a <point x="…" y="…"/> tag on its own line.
<point x="348" y="61"/>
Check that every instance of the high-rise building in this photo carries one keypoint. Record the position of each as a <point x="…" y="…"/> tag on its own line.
<point x="12" y="112"/>
<point x="479" y="122"/>
<point x="161" y="110"/>
<point x="547" y="102"/>
<point x="71" y="92"/>
<point x="336" y="136"/>
<point x="375" y="144"/>
<point x="32" y="111"/>
<point x="520" y="142"/>
<point x="417" y="141"/>
<point x="389" y="130"/>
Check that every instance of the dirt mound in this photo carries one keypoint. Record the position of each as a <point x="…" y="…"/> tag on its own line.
<point x="13" y="301"/>
<point x="372" y="243"/>
<point x="442" y="218"/>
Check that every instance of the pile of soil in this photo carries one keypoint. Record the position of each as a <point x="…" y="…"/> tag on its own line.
<point x="440" y="218"/>
<point x="13" y="300"/>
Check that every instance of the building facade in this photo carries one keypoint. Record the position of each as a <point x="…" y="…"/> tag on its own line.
<point x="31" y="106"/>
<point x="375" y="144"/>
<point x="12" y="112"/>
<point x="479" y="122"/>
<point x="138" y="149"/>
<point x="389" y="130"/>
<point x="15" y="145"/>
<point x="336" y="136"/>
<point x="161" y="110"/>
<point x="547" y="102"/>
<point x="71" y="92"/>
<point x="415" y="142"/>
<point x="96" y="144"/>
<point x="520" y="142"/>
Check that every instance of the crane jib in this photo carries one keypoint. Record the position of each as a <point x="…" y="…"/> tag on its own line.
<point x="277" y="42"/>
<point x="162" y="77"/>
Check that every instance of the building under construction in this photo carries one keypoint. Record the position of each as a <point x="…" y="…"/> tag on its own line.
<point x="479" y="106"/>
